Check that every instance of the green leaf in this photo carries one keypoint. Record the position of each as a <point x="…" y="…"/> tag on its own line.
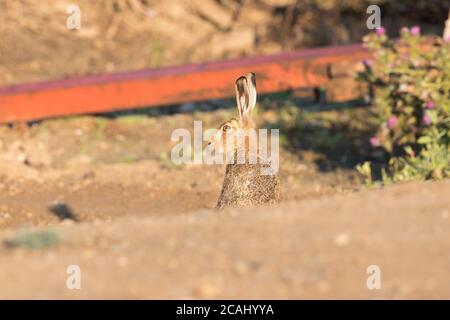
<point x="424" y="140"/>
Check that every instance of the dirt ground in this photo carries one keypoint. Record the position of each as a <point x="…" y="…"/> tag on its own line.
<point x="100" y="192"/>
<point x="316" y="248"/>
<point x="140" y="227"/>
<point x="104" y="168"/>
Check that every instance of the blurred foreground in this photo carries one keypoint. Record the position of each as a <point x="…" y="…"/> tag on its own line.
<point x="319" y="248"/>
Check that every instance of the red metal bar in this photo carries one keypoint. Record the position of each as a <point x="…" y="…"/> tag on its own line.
<point x="153" y="87"/>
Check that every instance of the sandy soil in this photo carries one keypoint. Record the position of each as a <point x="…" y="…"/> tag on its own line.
<point x="317" y="248"/>
<point x="106" y="168"/>
<point x="140" y="227"/>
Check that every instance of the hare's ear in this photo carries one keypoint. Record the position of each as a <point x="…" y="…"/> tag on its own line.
<point x="241" y="96"/>
<point x="251" y="83"/>
<point x="246" y="96"/>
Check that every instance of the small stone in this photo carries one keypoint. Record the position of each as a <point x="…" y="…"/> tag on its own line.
<point x="206" y="291"/>
<point x="342" y="239"/>
<point x="122" y="261"/>
<point x="241" y="268"/>
<point x="22" y="158"/>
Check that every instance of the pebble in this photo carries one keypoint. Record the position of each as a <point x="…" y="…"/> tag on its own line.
<point x="206" y="291"/>
<point x="241" y="268"/>
<point x="122" y="261"/>
<point x="342" y="239"/>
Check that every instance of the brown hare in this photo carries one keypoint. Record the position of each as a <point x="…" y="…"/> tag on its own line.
<point x="246" y="183"/>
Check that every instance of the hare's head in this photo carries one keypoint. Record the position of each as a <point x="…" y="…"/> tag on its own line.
<point x="228" y="135"/>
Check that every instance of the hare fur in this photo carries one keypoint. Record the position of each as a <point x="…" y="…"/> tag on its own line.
<point x="244" y="184"/>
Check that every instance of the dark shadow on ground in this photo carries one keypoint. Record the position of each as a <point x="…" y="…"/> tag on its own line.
<point x="338" y="132"/>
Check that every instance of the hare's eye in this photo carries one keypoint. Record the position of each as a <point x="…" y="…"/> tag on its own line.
<point x="225" y="128"/>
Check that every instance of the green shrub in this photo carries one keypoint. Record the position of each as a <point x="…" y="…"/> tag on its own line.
<point x="409" y="81"/>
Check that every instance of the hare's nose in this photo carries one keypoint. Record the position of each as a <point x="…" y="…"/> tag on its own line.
<point x="209" y="142"/>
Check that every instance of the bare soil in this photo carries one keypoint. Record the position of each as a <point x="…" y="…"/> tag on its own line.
<point x="140" y="227"/>
<point x="317" y="248"/>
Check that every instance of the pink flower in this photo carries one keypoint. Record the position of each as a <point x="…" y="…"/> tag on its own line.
<point x="447" y="39"/>
<point x="368" y="63"/>
<point x="426" y="120"/>
<point x="392" y="122"/>
<point x="430" y="105"/>
<point x="404" y="30"/>
<point x="415" y="31"/>
<point x="375" y="142"/>
<point x="380" y="31"/>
